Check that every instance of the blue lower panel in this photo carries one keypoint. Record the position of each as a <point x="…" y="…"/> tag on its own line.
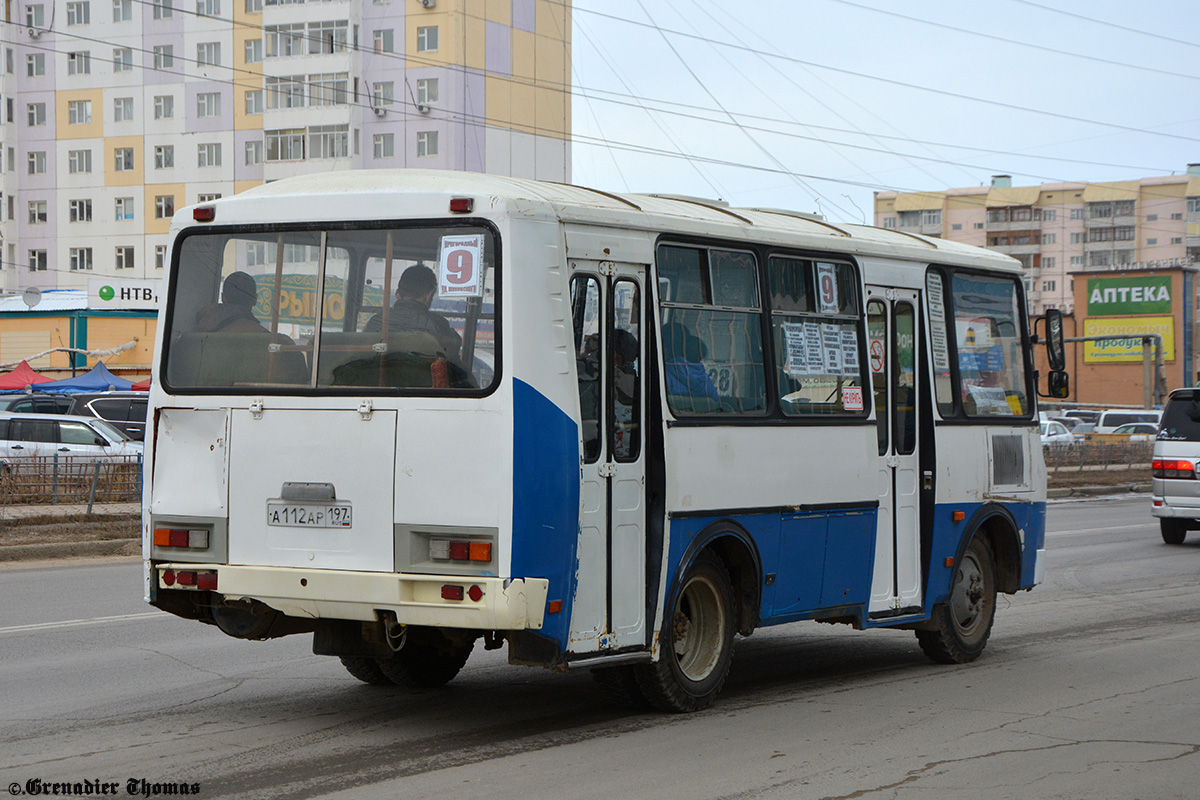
<point x="545" y="501"/>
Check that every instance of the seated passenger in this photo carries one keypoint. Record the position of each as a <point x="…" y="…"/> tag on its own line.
<point x="414" y="295"/>
<point x="235" y="312"/>
<point x="689" y="387"/>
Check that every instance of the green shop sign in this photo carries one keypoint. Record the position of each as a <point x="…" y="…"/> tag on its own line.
<point x="1109" y="297"/>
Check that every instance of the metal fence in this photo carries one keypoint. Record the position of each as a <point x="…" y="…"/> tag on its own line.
<point x="1098" y="455"/>
<point x="70" y="479"/>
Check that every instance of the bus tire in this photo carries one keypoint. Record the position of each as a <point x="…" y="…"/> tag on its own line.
<point x="365" y="669"/>
<point x="422" y="665"/>
<point x="697" y="641"/>
<point x="620" y="687"/>
<point x="962" y="625"/>
<point x="1173" y="531"/>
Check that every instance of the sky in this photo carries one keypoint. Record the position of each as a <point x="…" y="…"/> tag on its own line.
<point x="814" y="105"/>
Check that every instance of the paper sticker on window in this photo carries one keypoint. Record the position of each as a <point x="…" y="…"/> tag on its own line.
<point x="460" y="266"/>
<point x="827" y="288"/>
<point x="852" y="398"/>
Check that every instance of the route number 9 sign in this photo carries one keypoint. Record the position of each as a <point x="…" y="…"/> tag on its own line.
<point x="460" y="266"/>
<point x="827" y="289"/>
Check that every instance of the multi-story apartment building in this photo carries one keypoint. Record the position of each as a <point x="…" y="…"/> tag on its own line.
<point x="116" y="113"/>
<point x="1058" y="229"/>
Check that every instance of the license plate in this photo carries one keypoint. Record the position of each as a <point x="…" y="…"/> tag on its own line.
<point x="309" y="515"/>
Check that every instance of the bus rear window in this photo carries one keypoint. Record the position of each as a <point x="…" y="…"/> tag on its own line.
<point x="379" y="310"/>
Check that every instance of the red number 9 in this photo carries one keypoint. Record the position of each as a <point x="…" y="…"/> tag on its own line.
<point x="827" y="296"/>
<point x="460" y="267"/>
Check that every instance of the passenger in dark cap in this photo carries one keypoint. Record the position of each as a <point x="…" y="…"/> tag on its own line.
<point x="235" y="312"/>
<point x="414" y="295"/>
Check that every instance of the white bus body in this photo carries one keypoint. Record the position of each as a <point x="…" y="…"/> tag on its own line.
<point x="785" y="420"/>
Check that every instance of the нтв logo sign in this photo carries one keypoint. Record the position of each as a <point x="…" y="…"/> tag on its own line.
<point x="107" y="293"/>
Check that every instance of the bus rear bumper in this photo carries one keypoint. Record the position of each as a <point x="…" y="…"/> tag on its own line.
<point x="501" y="604"/>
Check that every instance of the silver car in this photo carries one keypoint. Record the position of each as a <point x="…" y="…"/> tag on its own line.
<point x="1173" y="483"/>
<point x="25" y="436"/>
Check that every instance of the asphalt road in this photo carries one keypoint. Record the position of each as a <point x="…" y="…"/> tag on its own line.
<point x="1090" y="688"/>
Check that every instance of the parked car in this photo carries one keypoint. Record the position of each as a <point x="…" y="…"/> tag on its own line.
<point x="1070" y="422"/>
<point x="1083" y="414"/>
<point x="23" y="436"/>
<point x="1056" y="433"/>
<point x="1110" y="420"/>
<point x="1138" y="431"/>
<point x="1175" y="492"/>
<point x="125" y="410"/>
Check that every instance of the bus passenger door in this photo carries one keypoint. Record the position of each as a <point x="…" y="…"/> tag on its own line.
<point x="609" y="606"/>
<point x="892" y="346"/>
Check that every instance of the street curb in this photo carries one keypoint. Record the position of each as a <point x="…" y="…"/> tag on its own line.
<point x="1098" y="491"/>
<point x="50" y="550"/>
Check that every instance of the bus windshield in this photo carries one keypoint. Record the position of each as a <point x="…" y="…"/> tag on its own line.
<point x="402" y="310"/>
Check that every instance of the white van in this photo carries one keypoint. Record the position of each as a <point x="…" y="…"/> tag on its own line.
<point x="1175" y="490"/>
<point x="1114" y="418"/>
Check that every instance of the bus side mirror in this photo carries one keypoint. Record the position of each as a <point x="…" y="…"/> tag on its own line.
<point x="1056" y="354"/>
<point x="1060" y="385"/>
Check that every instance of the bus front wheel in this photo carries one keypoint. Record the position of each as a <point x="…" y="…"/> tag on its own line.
<point x="961" y="626"/>
<point x="697" y="642"/>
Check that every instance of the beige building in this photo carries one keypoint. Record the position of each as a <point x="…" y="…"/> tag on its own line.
<point x="1057" y="229"/>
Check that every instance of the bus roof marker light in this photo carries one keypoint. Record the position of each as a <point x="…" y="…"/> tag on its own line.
<point x="462" y="205"/>
<point x="204" y="213"/>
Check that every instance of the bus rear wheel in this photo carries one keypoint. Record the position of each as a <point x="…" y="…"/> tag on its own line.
<point x="366" y="670"/>
<point x="962" y="625"/>
<point x="1173" y="531"/>
<point x="697" y="644"/>
<point x="425" y="661"/>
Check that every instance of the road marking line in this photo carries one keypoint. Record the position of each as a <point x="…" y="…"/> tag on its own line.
<point x="72" y="623"/>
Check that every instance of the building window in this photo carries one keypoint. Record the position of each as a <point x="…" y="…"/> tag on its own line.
<point x="122" y="109"/>
<point x="37" y="261"/>
<point x="427" y="39"/>
<point x="931" y="218"/>
<point x="164" y="9"/>
<point x="382" y="94"/>
<point x="208" y="104"/>
<point x="1048" y="286"/>
<point x="35" y="65"/>
<point x="37" y="162"/>
<point x="385" y="145"/>
<point x="285" y="145"/>
<point x="254" y="6"/>
<point x="35" y="16"/>
<point x="122" y="59"/>
<point x="160" y="256"/>
<point x="1076" y="262"/>
<point x="79" y="161"/>
<point x="37" y="114"/>
<point x="208" y="198"/>
<point x="1049" y="238"/>
<point x="889" y="223"/>
<point x="254" y="51"/>
<point x="329" y="89"/>
<point x="208" y="8"/>
<point x="327" y="37"/>
<point x="1177" y="216"/>
<point x="79" y="13"/>
<point x="254" y="153"/>
<point x="1078" y="237"/>
<point x="164" y="206"/>
<point x="1076" y="213"/>
<point x="285" y="40"/>
<point x="956" y="226"/>
<point x="286" y="91"/>
<point x="164" y="156"/>
<point x="254" y="101"/>
<point x="978" y="226"/>
<point x="164" y="56"/>
<point x="164" y="106"/>
<point x="123" y="159"/>
<point x="1152" y="218"/>
<point x="80" y="210"/>
<point x="37" y="212"/>
<point x="123" y="258"/>
<point x="427" y="91"/>
<point x="208" y="54"/>
<point x="383" y="41"/>
<point x="1048" y="214"/>
<point x="1048" y="262"/>
<point x="122" y="10"/>
<point x="208" y="154"/>
<point x="910" y="219"/>
<point x="1151" y="241"/>
<point x="124" y="208"/>
<point x="427" y="143"/>
<point x="79" y="63"/>
<point x="328" y="141"/>
<point x="81" y="258"/>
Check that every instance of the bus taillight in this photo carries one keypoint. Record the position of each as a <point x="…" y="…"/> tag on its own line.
<point x="1172" y="468"/>
<point x="176" y="537"/>
<point x="459" y="550"/>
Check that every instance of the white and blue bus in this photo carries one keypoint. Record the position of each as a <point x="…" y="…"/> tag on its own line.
<point x="608" y="431"/>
